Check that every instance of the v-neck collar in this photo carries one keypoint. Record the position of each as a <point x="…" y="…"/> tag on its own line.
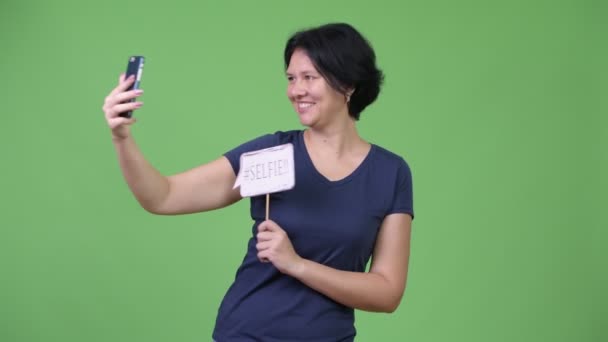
<point x="324" y="179"/>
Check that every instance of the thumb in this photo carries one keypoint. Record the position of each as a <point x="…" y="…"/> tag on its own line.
<point x="267" y="226"/>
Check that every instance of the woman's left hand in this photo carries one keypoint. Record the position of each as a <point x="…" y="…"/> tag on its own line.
<point x="274" y="246"/>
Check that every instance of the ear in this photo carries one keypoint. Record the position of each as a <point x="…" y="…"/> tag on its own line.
<point x="349" y="93"/>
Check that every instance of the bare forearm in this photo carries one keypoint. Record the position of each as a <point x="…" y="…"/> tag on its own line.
<point x="363" y="291"/>
<point x="380" y="289"/>
<point x="149" y="187"/>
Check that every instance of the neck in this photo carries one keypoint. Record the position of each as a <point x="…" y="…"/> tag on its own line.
<point x="339" y="139"/>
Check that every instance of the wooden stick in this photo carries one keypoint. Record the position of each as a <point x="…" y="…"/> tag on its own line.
<point x="267" y="206"/>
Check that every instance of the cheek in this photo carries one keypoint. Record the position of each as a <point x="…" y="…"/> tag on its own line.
<point x="327" y="92"/>
<point x="289" y="92"/>
<point x="330" y="96"/>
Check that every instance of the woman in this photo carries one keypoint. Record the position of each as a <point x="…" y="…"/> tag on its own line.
<point x="304" y="271"/>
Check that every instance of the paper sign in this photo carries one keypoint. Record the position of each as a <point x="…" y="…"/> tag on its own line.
<point x="266" y="171"/>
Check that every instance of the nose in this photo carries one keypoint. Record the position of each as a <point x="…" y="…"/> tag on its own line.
<point x="296" y="89"/>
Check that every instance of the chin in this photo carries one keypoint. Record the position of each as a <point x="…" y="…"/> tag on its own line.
<point x="306" y="120"/>
<point x="306" y="123"/>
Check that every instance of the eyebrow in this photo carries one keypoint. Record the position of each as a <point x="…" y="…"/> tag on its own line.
<point x="302" y="72"/>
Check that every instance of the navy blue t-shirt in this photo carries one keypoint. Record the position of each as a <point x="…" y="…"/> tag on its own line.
<point x="334" y="223"/>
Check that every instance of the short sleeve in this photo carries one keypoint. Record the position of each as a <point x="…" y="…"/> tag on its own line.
<point x="262" y="142"/>
<point x="403" y="201"/>
<point x="234" y="155"/>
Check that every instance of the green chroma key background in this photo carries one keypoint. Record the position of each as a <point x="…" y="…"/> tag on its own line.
<point x="500" y="108"/>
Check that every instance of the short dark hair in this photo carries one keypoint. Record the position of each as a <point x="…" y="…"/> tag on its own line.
<point x="344" y="58"/>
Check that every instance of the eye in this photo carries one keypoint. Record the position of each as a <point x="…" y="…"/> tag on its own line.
<point x="289" y="78"/>
<point x="309" y="77"/>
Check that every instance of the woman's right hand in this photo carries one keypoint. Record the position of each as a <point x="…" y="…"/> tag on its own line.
<point x="118" y="101"/>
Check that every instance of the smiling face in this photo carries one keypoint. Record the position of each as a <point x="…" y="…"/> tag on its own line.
<point x="315" y="101"/>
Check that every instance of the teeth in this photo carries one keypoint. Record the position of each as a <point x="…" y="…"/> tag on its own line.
<point x="304" y="105"/>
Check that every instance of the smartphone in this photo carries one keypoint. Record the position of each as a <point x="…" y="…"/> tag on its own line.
<point x="134" y="67"/>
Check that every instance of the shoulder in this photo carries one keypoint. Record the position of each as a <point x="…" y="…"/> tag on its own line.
<point x="284" y="137"/>
<point x="261" y="142"/>
<point x="396" y="179"/>
<point x="272" y="139"/>
<point x="267" y="140"/>
<point x="388" y="159"/>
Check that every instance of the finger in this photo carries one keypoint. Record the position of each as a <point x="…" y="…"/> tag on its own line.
<point x="123" y="107"/>
<point x="263" y="257"/>
<point x="264" y="236"/>
<point x="115" y="111"/>
<point x="126" y="96"/>
<point x="268" y="225"/>
<point x="263" y="227"/>
<point x="261" y="246"/>
<point x="123" y="84"/>
<point x="120" y="98"/>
